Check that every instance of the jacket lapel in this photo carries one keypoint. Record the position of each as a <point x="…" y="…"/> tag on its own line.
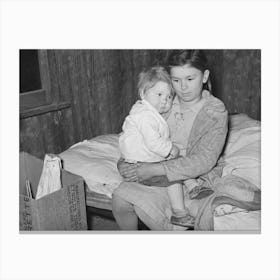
<point x="200" y="126"/>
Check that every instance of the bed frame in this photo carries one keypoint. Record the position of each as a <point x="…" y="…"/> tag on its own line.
<point x="101" y="205"/>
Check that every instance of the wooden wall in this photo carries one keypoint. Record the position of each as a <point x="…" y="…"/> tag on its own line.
<point x="242" y="82"/>
<point x="101" y="87"/>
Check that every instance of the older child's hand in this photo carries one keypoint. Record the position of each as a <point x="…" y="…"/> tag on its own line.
<point x="127" y="170"/>
<point x="147" y="170"/>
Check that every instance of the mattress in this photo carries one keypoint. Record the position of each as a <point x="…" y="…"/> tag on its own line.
<point x="96" y="161"/>
<point x="98" y="200"/>
<point x="240" y="221"/>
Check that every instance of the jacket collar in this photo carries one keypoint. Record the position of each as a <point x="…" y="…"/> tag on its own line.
<point x="195" y="108"/>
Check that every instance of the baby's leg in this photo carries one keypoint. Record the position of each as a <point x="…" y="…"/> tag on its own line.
<point x="180" y="214"/>
<point x="176" y="196"/>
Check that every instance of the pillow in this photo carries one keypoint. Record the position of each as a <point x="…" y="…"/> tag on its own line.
<point x="249" y="221"/>
<point x="242" y="154"/>
<point x="96" y="161"/>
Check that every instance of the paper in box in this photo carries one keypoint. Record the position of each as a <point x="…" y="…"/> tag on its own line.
<point x="64" y="209"/>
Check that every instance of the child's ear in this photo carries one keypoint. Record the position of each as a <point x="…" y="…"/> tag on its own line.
<point x="206" y="76"/>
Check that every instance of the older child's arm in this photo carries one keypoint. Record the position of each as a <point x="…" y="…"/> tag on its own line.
<point x="127" y="170"/>
<point x="206" y="156"/>
<point x="183" y="168"/>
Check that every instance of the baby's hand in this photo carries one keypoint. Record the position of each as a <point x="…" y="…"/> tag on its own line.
<point x="174" y="153"/>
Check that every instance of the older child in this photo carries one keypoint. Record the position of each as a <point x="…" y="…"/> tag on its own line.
<point x="198" y="125"/>
<point x="146" y="138"/>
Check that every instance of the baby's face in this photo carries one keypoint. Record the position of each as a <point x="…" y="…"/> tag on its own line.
<point x="159" y="96"/>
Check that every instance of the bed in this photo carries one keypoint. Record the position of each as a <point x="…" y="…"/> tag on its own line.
<point x="96" y="161"/>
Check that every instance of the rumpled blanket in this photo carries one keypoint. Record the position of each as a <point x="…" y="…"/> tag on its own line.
<point x="242" y="154"/>
<point x="230" y="190"/>
<point x="236" y="179"/>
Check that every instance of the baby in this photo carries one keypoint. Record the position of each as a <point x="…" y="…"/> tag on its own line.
<point x="145" y="136"/>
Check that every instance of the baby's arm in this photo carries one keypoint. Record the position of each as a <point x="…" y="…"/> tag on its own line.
<point x="155" y="142"/>
<point x="174" y="153"/>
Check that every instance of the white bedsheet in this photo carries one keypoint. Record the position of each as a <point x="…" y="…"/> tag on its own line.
<point x="239" y="221"/>
<point x="96" y="161"/>
<point x="243" y="154"/>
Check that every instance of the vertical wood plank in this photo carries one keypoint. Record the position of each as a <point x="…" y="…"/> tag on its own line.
<point x="215" y="62"/>
<point x="114" y="101"/>
<point x="87" y="59"/>
<point x="241" y="81"/>
<point x="53" y="75"/>
<point x="100" y="91"/>
<point x="62" y="74"/>
<point x="74" y="93"/>
<point x="31" y="137"/>
<point x="66" y="119"/>
<point x="128" y="84"/>
<point x="83" y="91"/>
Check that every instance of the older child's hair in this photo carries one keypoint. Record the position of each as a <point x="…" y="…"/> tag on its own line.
<point x="194" y="58"/>
<point x="148" y="78"/>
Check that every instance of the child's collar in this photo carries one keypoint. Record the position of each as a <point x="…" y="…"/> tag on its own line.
<point x="196" y="107"/>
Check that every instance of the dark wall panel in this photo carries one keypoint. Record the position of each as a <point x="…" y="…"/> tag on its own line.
<point x="242" y="82"/>
<point x="215" y="61"/>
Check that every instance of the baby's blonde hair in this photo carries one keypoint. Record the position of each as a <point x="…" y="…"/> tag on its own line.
<point x="148" y="78"/>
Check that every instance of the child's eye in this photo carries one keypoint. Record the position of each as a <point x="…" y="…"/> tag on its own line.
<point x="175" y="80"/>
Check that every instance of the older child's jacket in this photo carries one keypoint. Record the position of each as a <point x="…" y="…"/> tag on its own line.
<point x="205" y="143"/>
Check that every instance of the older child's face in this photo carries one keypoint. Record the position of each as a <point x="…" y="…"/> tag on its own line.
<point x="159" y="96"/>
<point x="188" y="82"/>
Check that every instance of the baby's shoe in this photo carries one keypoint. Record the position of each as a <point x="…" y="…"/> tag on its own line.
<point x="184" y="221"/>
<point x="199" y="192"/>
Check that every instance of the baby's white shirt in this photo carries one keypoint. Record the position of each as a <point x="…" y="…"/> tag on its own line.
<point x="145" y="135"/>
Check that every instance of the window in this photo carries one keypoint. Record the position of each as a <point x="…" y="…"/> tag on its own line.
<point x="34" y="79"/>
<point x="35" y="85"/>
<point x="30" y="78"/>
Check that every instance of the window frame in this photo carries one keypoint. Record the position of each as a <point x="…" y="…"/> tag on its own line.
<point x="40" y="101"/>
<point x="40" y="97"/>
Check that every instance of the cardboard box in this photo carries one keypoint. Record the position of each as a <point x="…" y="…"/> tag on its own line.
<point x="64" y="209"/>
